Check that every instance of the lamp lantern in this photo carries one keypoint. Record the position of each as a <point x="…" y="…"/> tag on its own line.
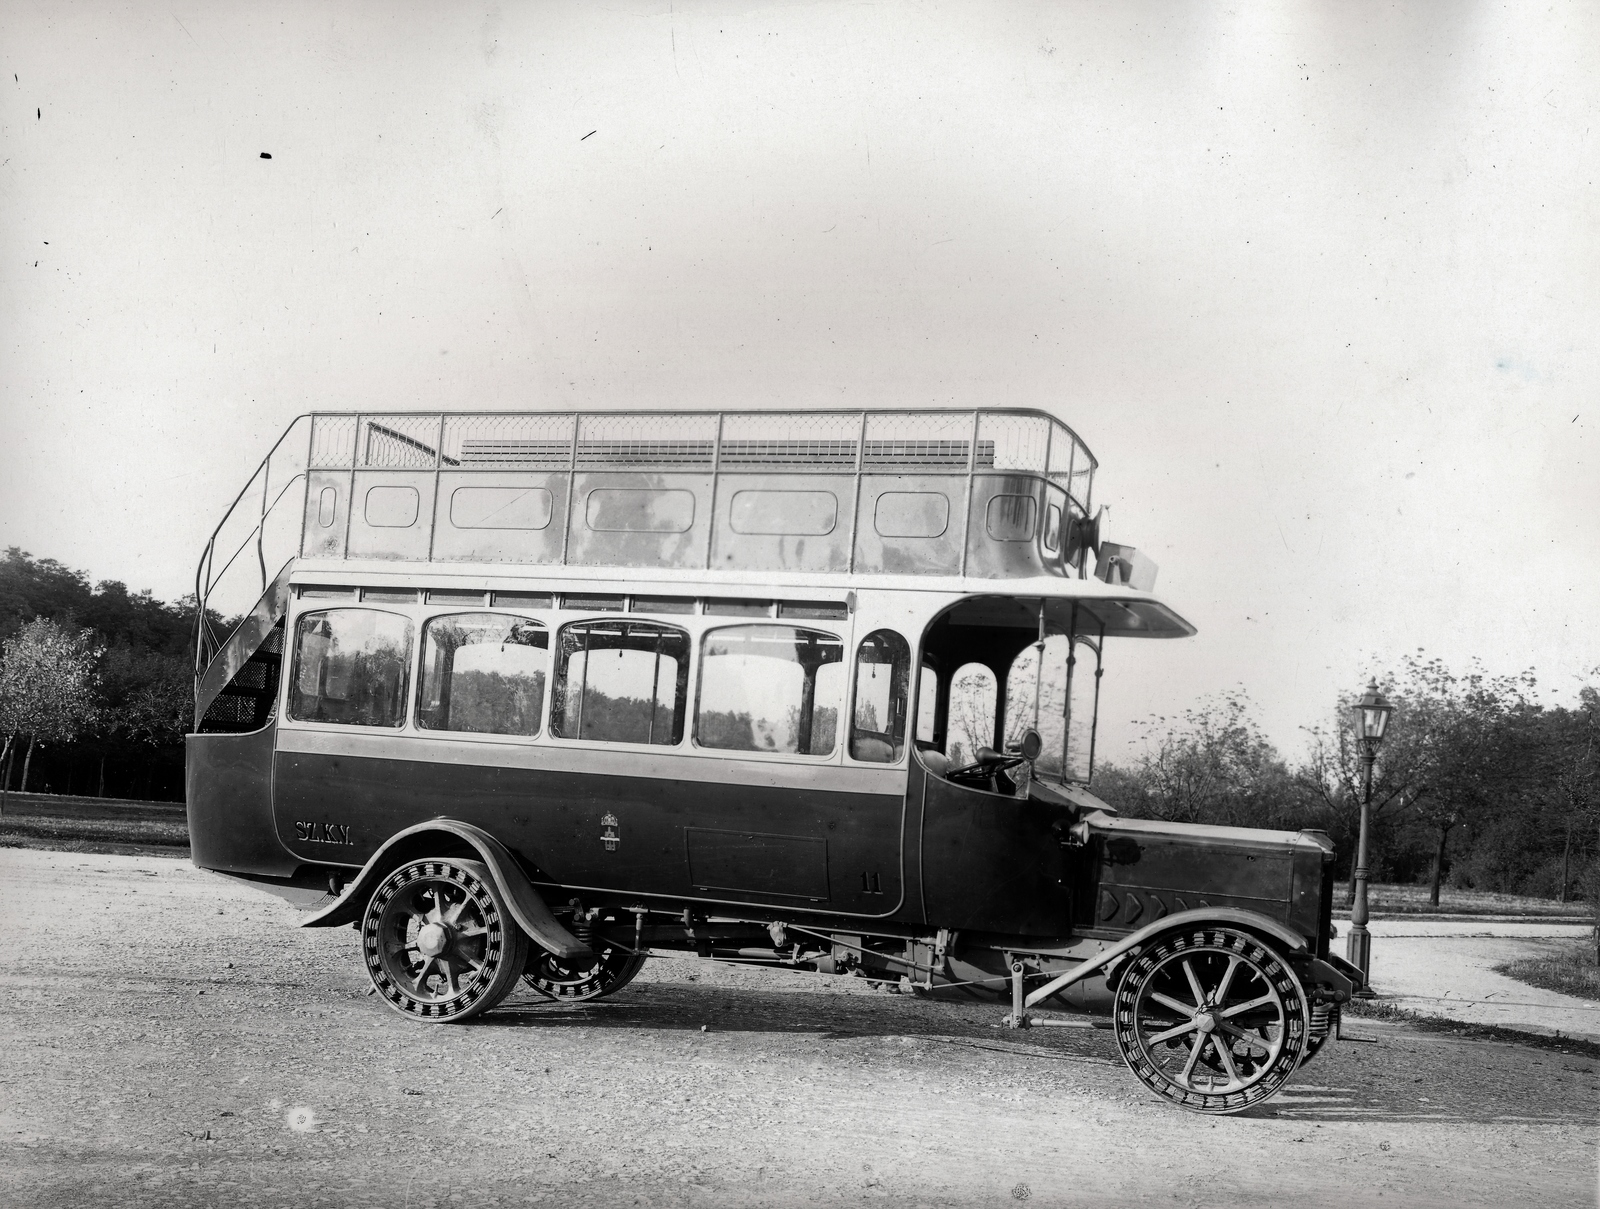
<point x="1373" y="710"/>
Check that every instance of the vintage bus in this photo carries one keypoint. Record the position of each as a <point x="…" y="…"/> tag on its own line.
<point x="528" y="696"/>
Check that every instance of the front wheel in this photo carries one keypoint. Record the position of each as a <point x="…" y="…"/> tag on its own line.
<point x="1212" y="1020"/>
<point x="439" y="943"/>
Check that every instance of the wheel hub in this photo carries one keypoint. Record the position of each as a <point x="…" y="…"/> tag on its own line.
<point x="1205" y="1022"/>
<point x="433" y="939"/>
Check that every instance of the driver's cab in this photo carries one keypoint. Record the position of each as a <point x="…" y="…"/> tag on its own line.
<point x="995" y="668"/>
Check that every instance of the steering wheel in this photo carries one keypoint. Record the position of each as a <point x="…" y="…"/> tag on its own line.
<point x="984" y="768"/>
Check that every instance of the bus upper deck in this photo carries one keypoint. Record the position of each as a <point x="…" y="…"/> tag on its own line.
<point x="975" y="493"/>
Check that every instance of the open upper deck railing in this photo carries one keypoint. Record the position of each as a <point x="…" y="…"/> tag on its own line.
<point x="989" y="493"/>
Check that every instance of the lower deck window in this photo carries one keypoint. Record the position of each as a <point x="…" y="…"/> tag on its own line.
<point x="883" y="681"/>
<point x="483" y="672"/>
<point x="770" y="688"/>
<point x="351" y="666"/>
<point x="621" y="682"/>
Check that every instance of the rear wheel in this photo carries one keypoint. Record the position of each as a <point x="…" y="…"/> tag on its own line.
<point x="1213" y="1020"/>
<point x="578" y="978"/>
<point x="438" y="941"/>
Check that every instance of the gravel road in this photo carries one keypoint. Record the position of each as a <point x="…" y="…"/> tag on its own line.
<point x="174" y="1040"/>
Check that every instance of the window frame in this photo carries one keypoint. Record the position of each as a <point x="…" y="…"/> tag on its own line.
<point x="414" y="723"/>
<point x="693" y="729"/>
<point x="907" y="738"/>
<point x="288" y="681"/>
<point x="556" y="681"/>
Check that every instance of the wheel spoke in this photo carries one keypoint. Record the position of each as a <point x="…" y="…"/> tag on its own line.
<point x="1194" y="984"/>
<point x="1171" y="1004"/>
<point x="1227" y="978"/>
<point x="1187" y="1077"/>
<point x="1250" y="1039"/>
<point x="469" y="932"/>
<point x="1173" y="1032"/>
<point x="422" y="973"/>
<point x="1226" y="1055"/>
<point x="453" y="913"/>
<point x="1245" y="1007"/>
<point x="449" y="970"/>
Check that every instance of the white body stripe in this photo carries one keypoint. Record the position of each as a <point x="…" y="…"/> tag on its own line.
<point x="589" y="759"/>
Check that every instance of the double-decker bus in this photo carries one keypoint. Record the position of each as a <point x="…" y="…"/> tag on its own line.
<point x="528" y="696"/>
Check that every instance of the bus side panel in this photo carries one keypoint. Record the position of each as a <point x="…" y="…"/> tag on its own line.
<point x="228" y="786"/>
<point x="991" y="863"/>
<point x="809" y="850"/>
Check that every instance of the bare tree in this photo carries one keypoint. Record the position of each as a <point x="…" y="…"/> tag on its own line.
<point x="47" y="686"/>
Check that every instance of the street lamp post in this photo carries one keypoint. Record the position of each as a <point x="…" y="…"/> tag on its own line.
<point x="1372" y="718"/>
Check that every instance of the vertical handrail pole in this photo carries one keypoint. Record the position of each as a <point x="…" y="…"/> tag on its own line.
<point x="855" y="510"/>
<point x="716" y="471"/>
<point x="438" y="472"/>
<point x="311" y="432"/>
<point x="1044" y="504"/>
<point x="572" y="482"/>
<point x="350" y="498"/>
<point x="966" y="520"/>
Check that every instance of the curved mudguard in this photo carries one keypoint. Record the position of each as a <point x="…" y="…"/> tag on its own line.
<point x="1292" y="941"/>
<point x="526" y="907"/>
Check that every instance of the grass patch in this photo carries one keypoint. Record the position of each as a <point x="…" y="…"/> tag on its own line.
<point x="94" y="835"/>
<point x="1413" y="900"/>
<point x="1565" y="966"/>
<point x="1379" y="1009"/>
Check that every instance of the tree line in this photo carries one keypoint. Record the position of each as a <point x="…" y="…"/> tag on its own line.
<point x="1476" y="783"/>
<point x="96" y="683"/>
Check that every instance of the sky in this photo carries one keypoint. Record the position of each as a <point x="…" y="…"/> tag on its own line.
<point x="1318" y="284"/>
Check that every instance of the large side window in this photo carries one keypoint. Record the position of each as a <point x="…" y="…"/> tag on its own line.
<point x="883" y="682"/>
<point x="1036" y="698"/>
<point x="621" y="682"/>
<point x="351" y="666"/>
<point x="769" y="688"/>
<point x="483" y="672"/>
<point x="973" y="694"/>
<point x="1084" y="700"/>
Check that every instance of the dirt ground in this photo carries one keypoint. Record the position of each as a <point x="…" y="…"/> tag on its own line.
<point x="173" y="1040"/>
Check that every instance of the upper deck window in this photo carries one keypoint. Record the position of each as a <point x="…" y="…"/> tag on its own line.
<point x="351" y="666"/>
<point x="621" y="682"/>
<point x="483" y="672"/>
<point x="784" y="513"/>
<point x="392" y="507"/>
<point x="911" y="514"/>
<point x="1010" y="518"/>
<point x="634" y="510"/>
<point x="770" y="688"/>
<point x="1052" y="528"/>
<point x="883" y="682"/>
<point x="501" y="507"/>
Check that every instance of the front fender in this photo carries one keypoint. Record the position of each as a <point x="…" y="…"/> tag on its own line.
<point x="1294" y="944"/>
<point x="522" y="900"/>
